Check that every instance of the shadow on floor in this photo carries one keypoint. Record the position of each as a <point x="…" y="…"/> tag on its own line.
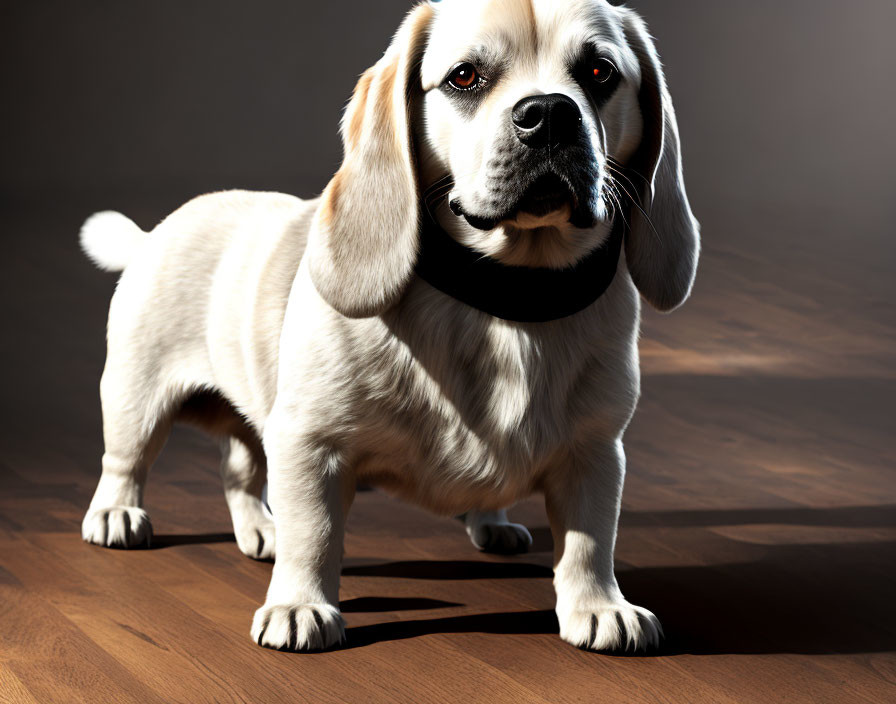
<point x="449" y="569"/>
<point x="373" y="604"/>
<point x="811" y="599"/>
<point x="797" y="599"/>
<point x="511" y="622"/>
<point x="173" y="539"/>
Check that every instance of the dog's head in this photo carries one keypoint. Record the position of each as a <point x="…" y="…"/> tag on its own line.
<point x="523" y="127"/>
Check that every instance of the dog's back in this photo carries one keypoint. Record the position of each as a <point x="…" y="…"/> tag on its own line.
<point x="189" y="294"/>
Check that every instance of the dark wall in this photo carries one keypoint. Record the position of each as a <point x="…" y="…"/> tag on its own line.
<point x="786" y="107"/>
<point x="182" y="96"/>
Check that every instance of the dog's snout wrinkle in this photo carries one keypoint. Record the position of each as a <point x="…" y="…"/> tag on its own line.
<point x="546" y="120"/>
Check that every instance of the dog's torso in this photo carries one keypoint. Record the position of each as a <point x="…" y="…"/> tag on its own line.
<point x="433" y="400"/>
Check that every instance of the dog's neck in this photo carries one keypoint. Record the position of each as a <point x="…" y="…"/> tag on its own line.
<point x="516" y="293"/>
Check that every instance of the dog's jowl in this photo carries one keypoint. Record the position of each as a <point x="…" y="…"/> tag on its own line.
<point x="454" y="319"/>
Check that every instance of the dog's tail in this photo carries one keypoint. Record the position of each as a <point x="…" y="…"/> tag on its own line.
<point x="110" y="239"/>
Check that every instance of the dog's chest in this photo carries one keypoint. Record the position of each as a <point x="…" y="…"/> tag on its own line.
<point x="517" y="375"/>
<point x="473" y="402"/>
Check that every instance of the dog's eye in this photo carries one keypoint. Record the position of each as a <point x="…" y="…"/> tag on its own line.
<point x="602" y="71"/>
<point x="464" y="77"/>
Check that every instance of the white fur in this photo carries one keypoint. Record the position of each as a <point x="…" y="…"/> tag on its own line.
<point x="428" y="398"/>
<point x="111" y="239"/>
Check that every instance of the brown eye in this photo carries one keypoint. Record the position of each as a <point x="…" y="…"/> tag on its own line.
<point x="602" y="71"/>
<point x="464" y="77"/>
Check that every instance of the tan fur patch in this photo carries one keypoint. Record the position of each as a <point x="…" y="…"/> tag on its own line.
<point x="355" y="124"/>
<point x="330" y="201"/>
<point x="384" y="119"/>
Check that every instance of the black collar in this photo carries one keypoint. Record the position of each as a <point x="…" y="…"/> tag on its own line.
<point x="517" y="293"/>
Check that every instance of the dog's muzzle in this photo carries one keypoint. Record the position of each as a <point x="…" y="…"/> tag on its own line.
<point x="549" y="146"/>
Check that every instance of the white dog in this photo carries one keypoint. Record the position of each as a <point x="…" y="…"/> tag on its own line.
<point x="455" y="319"/>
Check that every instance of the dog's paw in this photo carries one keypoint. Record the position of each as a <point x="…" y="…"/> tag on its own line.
<point x="614" y="626"/>
<point x="257" y="539"/>
<point x="298" y="627"/>
<point x="117" y="527"/>
<point x="502" y="538"/>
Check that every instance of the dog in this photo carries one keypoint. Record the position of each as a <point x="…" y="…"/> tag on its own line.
<point x="455" y="319"/>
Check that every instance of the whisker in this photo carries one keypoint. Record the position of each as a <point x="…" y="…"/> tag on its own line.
<point x="613" y="171"/>
<point x="649" y="221"/>
<point x="617" y="199"/>
<point x="621" y="174"/>
<point x="610" y="205"/>
<point x="437" y="195"/>
<point x="432" y="201"/>
<point x="445" y="181"/>
<point x="433" y="194"/>
<point x="622" y="169"/>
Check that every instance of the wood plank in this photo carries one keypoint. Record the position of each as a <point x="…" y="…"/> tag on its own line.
<point x="12" y="691"/>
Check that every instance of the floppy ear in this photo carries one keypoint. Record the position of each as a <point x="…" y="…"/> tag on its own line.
<point x="662" y="249"/>
<point x="363" y="239"/>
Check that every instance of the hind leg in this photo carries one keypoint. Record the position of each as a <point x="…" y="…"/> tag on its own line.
<point x="244" y="470"/>
<point x="490" y="531"/>
<point x="136" y="424"/>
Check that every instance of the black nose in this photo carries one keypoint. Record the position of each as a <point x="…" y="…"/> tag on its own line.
<point x="542" y="120"/>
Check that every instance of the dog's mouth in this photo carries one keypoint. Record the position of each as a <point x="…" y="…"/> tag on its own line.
<point x="547" y="194"/>
<point x="549" y="199"/>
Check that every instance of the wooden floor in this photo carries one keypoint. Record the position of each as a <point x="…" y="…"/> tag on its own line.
<point x="759" y="524"/>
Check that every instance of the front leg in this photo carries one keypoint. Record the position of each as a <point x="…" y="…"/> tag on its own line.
<point x="583" y="502"/>
<point x="310" y="493"/>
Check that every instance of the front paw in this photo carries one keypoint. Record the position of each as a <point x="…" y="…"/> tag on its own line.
<point x="298" y="627"/>
<point x="501" y="538"/>
<point x="611" y="626"/>
<point x="117" y="527"/>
